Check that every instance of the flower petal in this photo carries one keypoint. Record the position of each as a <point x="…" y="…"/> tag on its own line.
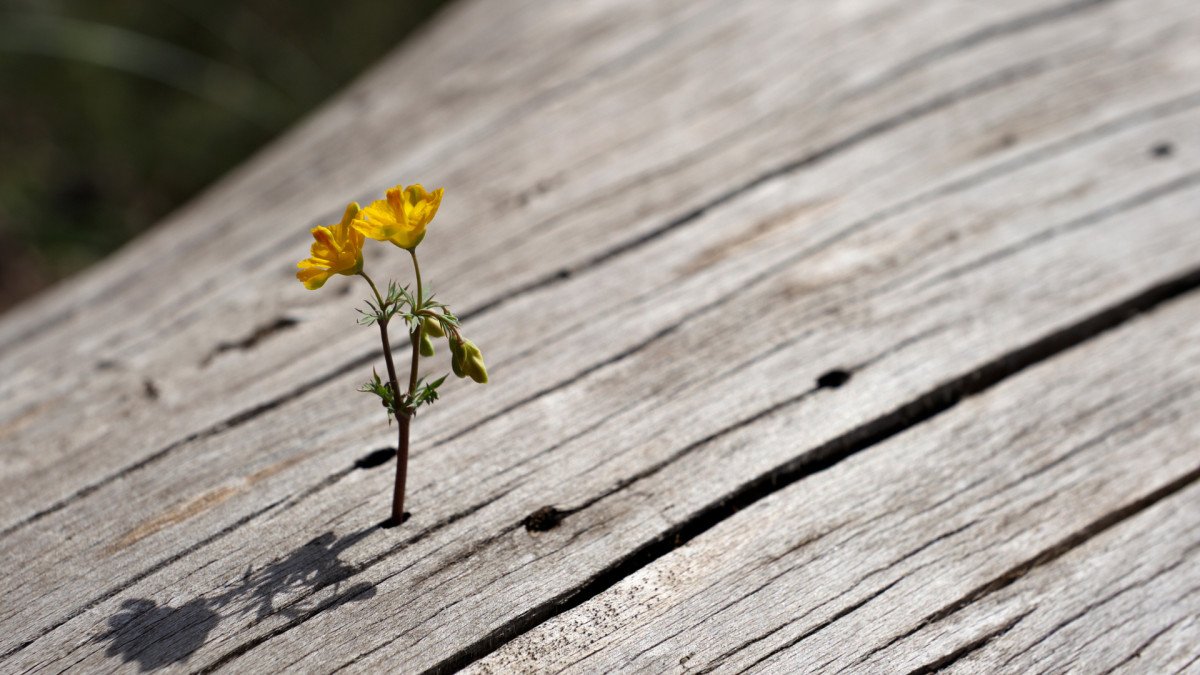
<point x="351" y="213"/>
<point x="313" y="278"/>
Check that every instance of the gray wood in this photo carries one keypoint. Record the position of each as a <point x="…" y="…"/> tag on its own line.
<point x="994" y="538"/>
<point x="736" y="217"/>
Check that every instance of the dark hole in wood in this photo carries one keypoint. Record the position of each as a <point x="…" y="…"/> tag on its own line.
<point x="391" y="522"/>
<point x="150" y="389"/>
<point x="375" y="458"/>
<point x="563" y="274"/>
<point x="833" y="379"/>
<point x="544" y="519"/>
<point x="1163" y="149"/>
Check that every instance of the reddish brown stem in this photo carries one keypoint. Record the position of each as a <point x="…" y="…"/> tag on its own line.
<point x="404" y="415"/>
<point x="401" y="471"/>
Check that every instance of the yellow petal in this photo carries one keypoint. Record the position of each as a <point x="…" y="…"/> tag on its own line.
<point x="422" y="205"/>
<point x="395" y="200"/>
<point x="313" y="278"/>
<point x="351" y="213"/>
<point x="408" y="240"/>
<point x="378" y="221"/>
<point x="415" y="194"/>
<point x="324" y="237"/>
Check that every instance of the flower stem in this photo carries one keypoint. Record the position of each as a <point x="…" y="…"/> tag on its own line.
<point x="401" y="415"/>
<point x="383" y="336"/>
<point x="405" y="416"/>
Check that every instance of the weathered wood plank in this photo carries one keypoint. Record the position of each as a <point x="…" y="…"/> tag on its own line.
<point x="647" y="167"/>
<point x="1129" y="601"/>
<point x="1017" y="538"/>
<point x="850" y="239"/>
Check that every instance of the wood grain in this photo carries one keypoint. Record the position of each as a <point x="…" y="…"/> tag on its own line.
<point x="993" y="538"/>
<point x="664" y="237"/>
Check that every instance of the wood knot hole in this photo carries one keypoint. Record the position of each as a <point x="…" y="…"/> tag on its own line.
<point x="1162" y="150"/>
<point x="544" y="519"/>
<point x="833" y="379"/>
<point x="374" y="458"/>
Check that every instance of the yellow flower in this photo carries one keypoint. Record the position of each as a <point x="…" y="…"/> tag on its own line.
<point x="402" y="217"/>
<point x="337" y="250"/>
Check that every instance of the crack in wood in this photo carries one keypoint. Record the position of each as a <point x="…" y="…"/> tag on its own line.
<point x="1140" y="583"/>
<point x="1098" y="216"/>
<point x="924" y="407"/>
<point x="806" y="541"/>
<point x="969" y="648"/>
<point x="252" y="340"/>
<point x="1047" y="555"/>
<point x="1018" y="24"/>
<point x="838" y="616"/>
<point x="1137" y="652"/>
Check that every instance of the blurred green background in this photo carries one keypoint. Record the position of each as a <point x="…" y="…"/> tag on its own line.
<point x="114" y="112"/>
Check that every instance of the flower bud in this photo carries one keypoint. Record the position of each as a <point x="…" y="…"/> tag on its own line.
<point x="433" y="327"/>
<point x="473" y="362"/>
<point x="426" y="345"/>
<point x="456" y="359"/>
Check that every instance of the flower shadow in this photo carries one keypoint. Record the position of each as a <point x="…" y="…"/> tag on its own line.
<point x="157" y="635"/>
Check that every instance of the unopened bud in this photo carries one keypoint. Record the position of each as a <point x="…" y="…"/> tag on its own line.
<point x="457" y="359"/>
<point x="426" y="345"/>
<point x="473" y="362"/>
<point x="433" y="327"/>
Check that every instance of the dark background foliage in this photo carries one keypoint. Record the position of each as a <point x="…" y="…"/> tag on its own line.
<point x="114" y="112"/>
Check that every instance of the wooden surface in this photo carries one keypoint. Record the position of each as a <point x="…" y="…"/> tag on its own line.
<point x="1066" y="537"/>
<point x="852" y="336"/>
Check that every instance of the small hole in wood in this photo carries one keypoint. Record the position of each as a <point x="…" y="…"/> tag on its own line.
<point x="375" y="458"/>
<point x="150" y="389"/>
<point x="563" y="274"/>
<point x="391" y="522"/>
<point x="833" y="379"/>
<point x="544" y="519"/>
<point x="1163" y="149"/>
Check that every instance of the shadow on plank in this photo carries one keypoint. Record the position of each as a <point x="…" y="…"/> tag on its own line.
<point x="157" y="635"/>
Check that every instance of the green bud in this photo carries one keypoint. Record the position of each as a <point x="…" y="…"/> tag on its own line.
<point x="473" y="362"/>
<point x="433" y="327"/>
<point x="457" y="359"/>
<point x="426" y="345"/>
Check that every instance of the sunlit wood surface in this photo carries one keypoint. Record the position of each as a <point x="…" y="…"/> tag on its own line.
<point x="857" y="336"/>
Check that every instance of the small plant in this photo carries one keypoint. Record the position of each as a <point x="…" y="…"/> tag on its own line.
<point x="400" y="218"/>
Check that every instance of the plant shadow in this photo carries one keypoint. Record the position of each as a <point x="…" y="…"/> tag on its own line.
<point x="157" y="635"/>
